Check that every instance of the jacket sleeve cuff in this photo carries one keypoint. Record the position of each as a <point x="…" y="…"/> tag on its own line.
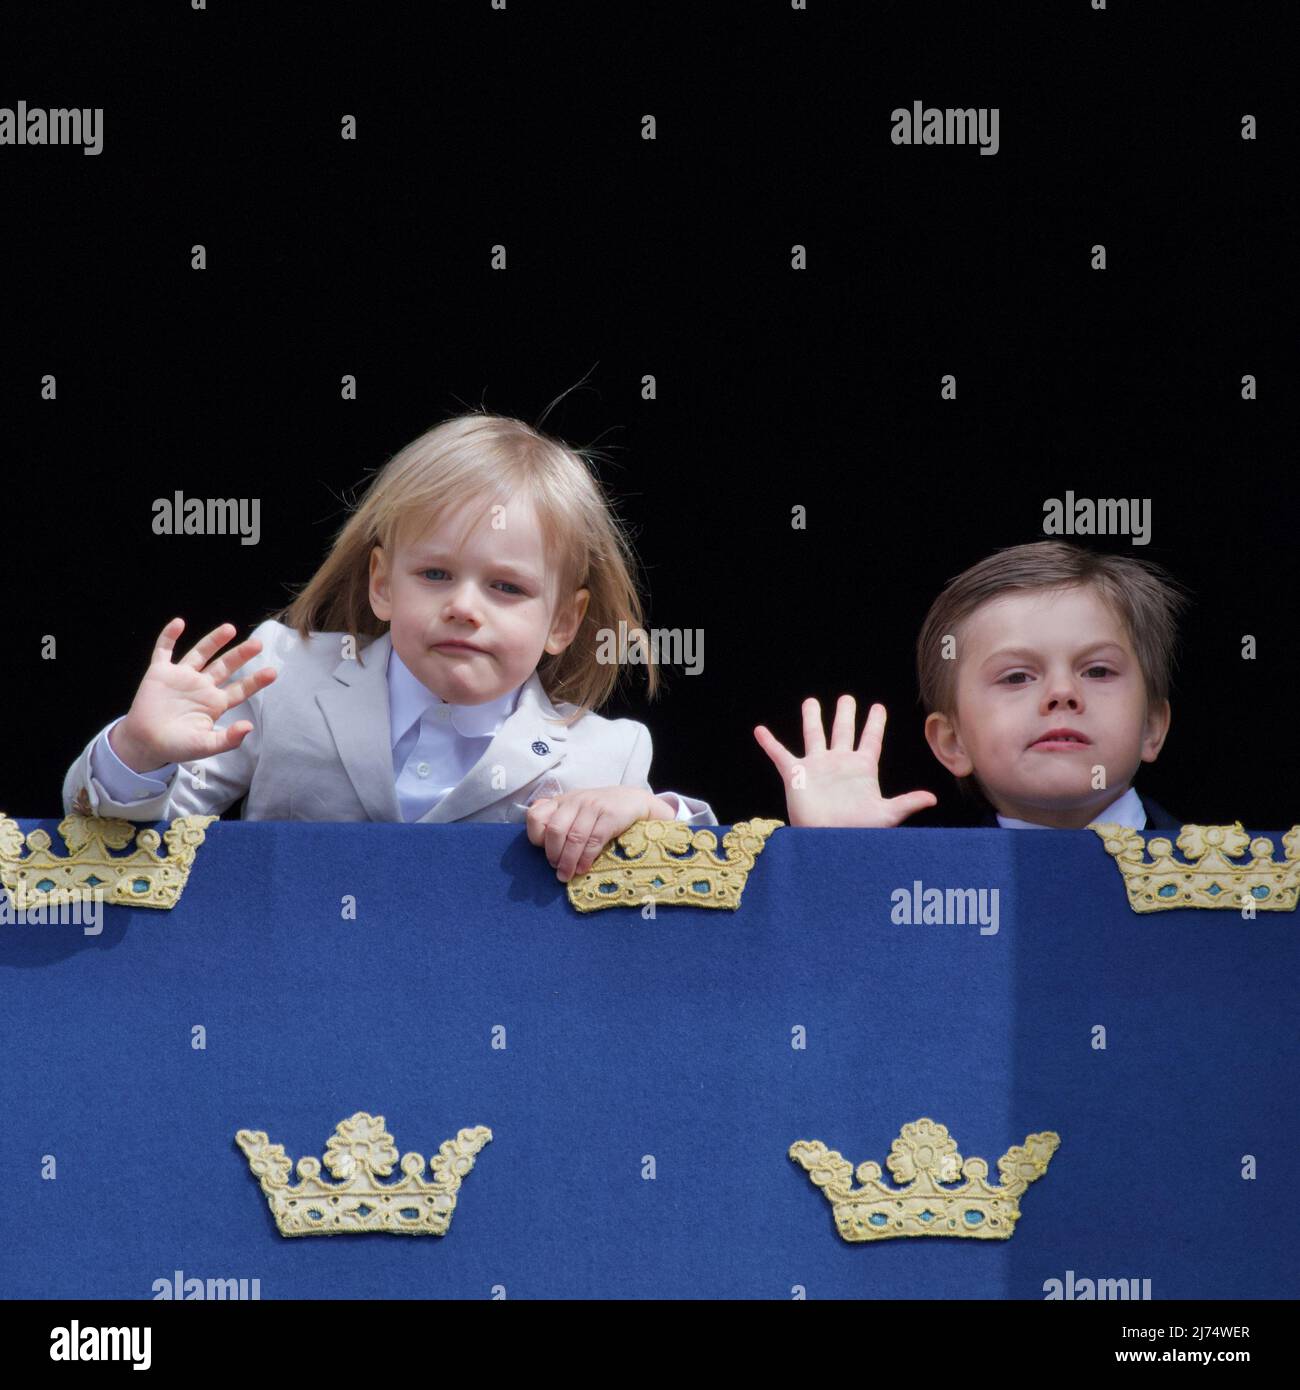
<point x="121" y="784"/>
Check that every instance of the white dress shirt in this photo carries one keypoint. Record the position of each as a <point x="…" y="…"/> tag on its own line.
<point x="1124" y="810"/>
<point x="435" y="744"/>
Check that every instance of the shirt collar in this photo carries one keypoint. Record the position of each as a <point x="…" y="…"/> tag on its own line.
<point x="409" y="699"/>
<point x="1124" y="810"/>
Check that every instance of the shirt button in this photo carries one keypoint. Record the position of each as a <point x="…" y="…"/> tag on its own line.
<point x="422" y="769"/>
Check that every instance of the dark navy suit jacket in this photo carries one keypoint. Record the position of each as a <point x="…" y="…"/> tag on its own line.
<point x="1157" y="817"/>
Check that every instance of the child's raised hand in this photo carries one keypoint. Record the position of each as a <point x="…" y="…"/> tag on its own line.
<point x="839" y="785"/>
<point x="576" y="825"/>
<point x="177" y="705"/>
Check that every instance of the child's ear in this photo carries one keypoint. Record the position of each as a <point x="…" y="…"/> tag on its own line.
<point x="379" y="601"/>
<point x="568" y="619"/>
<point x="1155" y="731"/>
<point x="946" y="745"/>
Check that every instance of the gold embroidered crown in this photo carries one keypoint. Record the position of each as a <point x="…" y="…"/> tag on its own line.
<point x="666" y="862"/>
<point x="924" y="1156"/>
<point x="360" y="1152"/>
<point x="1206" y="876"/>
<point x="138" y="879"/>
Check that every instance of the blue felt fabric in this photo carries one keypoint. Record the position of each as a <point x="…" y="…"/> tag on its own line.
<point x="628" y="1038"/>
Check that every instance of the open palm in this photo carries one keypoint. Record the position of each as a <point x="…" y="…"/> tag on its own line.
<point x="175" y="710"/>
<point x="840" y="784"/>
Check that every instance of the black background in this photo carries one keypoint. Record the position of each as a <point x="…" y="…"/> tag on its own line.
<point x="670" y="257"/>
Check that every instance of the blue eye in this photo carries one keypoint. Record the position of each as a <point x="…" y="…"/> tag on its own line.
<point x="1105" y="670"/>
<point x="509" y="585"/>
<point x="1008" y="679"/>
<point x="433" y="571"/>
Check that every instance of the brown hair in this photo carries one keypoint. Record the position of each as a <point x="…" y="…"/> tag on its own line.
<point x="487" y="458"/>
<point x="1147" y="599"/>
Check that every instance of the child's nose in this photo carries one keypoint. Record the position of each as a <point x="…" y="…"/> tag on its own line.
<point x="1064" y="692"/>
<point x="462" y="603"/>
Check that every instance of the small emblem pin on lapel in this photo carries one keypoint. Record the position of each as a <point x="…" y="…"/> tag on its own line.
<point x="541" y="749"/>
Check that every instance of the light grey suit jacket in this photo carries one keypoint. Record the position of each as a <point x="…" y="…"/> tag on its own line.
<point x="320" y="749"/>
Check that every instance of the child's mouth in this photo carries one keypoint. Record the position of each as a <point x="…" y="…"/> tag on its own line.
<point x="1061" y="741"/>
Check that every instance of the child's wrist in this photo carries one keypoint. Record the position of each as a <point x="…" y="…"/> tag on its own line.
<point x="131" y="751"/>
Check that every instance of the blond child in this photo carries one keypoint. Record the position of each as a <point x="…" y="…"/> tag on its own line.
<point x="440" y="666"/>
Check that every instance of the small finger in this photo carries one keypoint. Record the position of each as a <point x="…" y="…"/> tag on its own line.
<point x="910" y="803"/>
<point x="814" y="736"/>
<point x="607" y="826"/>
<point x="538" y="815"/>
<point x="239" y="692"/>
<point x="576" y="842"/>
<point x="205" y="647"/>
<point x="234" y="736"/>
<point x="230" y="662"/>
<point x="873" y="732"/>
<point x="166" y="643"/>
<point x="556" y="830"/>
<point x="846" y="718"/>
<point x="775" y="750"/>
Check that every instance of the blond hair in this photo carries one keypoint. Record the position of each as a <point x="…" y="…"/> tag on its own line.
<point x="489" y="458"/>
<point x="1145" y="597"/>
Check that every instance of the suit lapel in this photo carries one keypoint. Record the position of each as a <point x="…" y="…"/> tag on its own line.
<point x="529" y="743"/>
<point x="356" y="710"/>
